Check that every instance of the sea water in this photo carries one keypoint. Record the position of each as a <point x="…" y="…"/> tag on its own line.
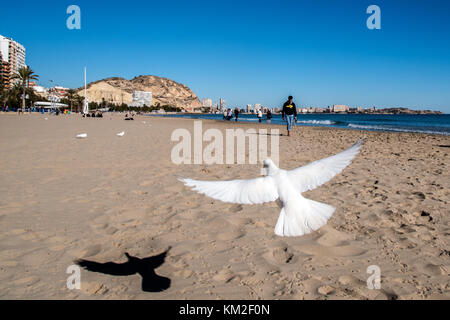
<point x="426" y="123"/>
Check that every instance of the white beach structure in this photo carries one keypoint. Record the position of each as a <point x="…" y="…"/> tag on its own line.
<point x="50" y="105"/>
<point x="86" y="101"/>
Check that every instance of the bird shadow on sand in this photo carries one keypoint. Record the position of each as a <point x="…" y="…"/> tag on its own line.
<point x="151" y="282"/>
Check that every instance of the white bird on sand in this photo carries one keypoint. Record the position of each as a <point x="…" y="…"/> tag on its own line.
<point x="121" y="134"/>
<point x="299" y="216"/>
<point x="82" y="136"/>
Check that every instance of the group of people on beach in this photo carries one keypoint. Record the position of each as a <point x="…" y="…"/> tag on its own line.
<point x="289" y="114"/>
<point x="94" y="114"/>
<point x="229" y="114"/>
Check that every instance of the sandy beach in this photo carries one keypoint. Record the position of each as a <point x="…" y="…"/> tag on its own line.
<point x="63" y="199"/>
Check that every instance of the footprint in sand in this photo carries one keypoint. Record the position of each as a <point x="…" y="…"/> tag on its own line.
<point x="229" y="235"/>
<point x="435" y="270"/>
<point x="185" y="274"/>
<point x="240" y="221"/>
<point x="326" y="290"/>
<point x="27" y="281"/>
<point x="282" y="255"/>
<point x="221" y="229"/>
<point x="331" y="237"/>
<point x="192" y="215"/>
<point x="279" y="254"/>
<point x="332" y="243"/>
<point x="224" y="276"/>
<point x="236" y="208"/>
<point x="94" y="288"/>
<point x="350" y="281"/>
<point x="339" y="251"/>
<point x="100" y="226"/>
<point x="111" y="230"/>
<point x="419" y="195"/>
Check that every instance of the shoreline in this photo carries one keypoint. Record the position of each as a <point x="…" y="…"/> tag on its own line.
<point x="299" y="124"/>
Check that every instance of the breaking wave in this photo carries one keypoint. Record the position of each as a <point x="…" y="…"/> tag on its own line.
<point x="384" y="128"/>
<point x="327" y="122"/>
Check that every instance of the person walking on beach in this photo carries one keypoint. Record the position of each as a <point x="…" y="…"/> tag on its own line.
<point x="236" y="114"/>
<point x="289" y="113"/>
<point x="229" y="114"/>
<point x="269" y="116"/>
<point x="260" y="115"/>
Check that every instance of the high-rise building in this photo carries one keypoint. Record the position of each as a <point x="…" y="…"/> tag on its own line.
<point x="257" y="107"/>
<point x="13" y="53"/>
<point x="207" y="103"/>
<point x="223" y="104"/>
<point x="249" y="108"/>
<point x="4" y="72"/>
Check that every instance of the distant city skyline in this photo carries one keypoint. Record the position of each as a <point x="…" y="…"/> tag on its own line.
<point x="321" y="52"/>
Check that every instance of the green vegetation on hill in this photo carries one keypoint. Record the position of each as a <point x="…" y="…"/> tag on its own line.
<point x="124" y="108"/>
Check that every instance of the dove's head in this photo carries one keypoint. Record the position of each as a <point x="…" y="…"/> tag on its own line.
<point x="270" y="167"/>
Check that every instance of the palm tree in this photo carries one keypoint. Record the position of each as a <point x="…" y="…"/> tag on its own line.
<point x="11" y="96"/>
<point x="3" y="93"/>
<point x="25" y="74"/>
<point x="71" y="95"/>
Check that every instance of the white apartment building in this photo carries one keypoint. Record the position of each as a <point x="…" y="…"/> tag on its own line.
<point x="207" y="103"/>
<point x="13" y="53"/>
<point x="141" y="99"/>
<point x="340" y="108"/>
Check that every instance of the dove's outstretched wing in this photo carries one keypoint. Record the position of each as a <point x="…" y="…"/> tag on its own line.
<point x="321" y="171"/>
<point x="252" y="191"/>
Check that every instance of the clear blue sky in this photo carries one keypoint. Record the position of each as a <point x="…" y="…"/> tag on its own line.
<point x="248" y="51"/>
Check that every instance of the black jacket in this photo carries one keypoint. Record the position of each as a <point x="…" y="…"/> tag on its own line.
<point x="289" y="109"/>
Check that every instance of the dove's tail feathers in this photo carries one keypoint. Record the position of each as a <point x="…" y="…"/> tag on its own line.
<point x="303" y="217"/>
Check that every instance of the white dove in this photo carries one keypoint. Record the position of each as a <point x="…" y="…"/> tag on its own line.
<point x="299" y="216"/>
<point x="121" y="134"/>
<point x="82" y="136"/>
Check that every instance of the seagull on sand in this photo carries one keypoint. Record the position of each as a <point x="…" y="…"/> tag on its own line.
<point x="121" y="134"/>
<point x="299" y="215"/>
<point x="82" y="136"/>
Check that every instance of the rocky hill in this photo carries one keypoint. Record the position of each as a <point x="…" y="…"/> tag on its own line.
<point x="164" y="91"/>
